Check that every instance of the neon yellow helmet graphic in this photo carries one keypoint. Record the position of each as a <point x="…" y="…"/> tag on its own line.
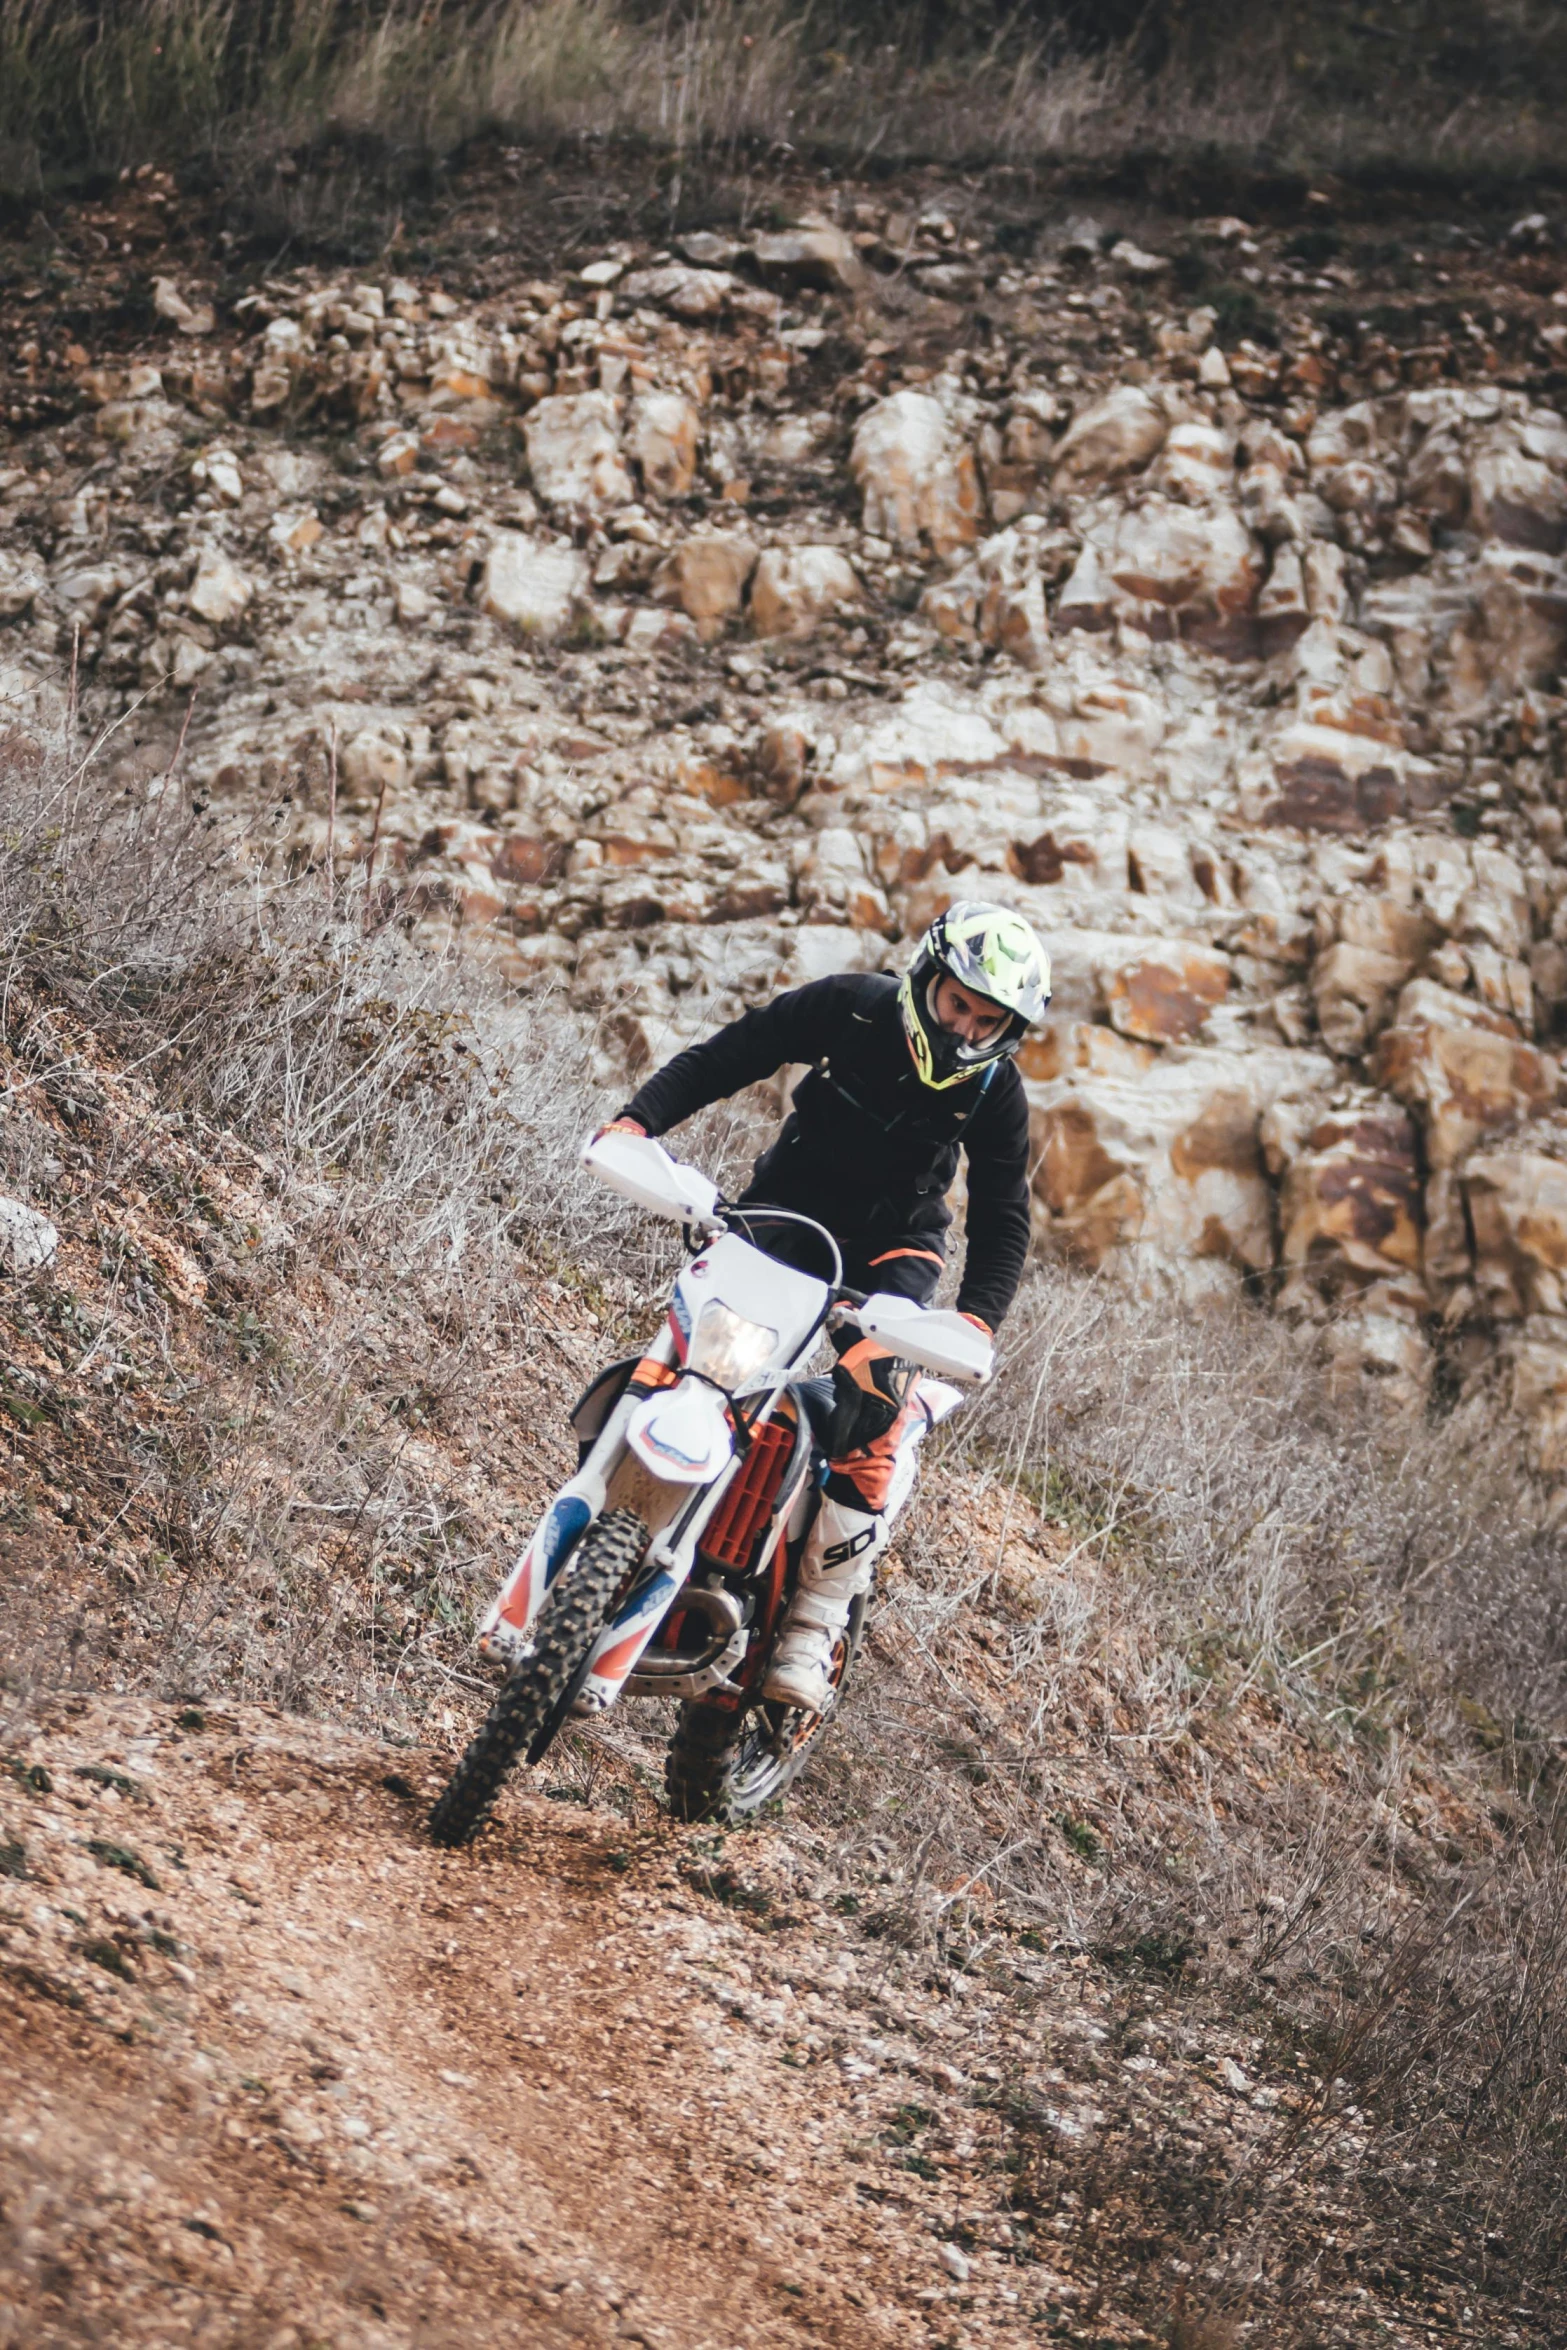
<point x="993" y="953"/>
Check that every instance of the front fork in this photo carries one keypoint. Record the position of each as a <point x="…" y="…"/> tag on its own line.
<point x="503" y="1635"/>
<point x="584" y="1497"/>
<point x="619" y="1646"/>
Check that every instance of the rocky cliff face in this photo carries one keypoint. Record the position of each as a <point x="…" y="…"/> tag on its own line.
<point x="699" y="622"/>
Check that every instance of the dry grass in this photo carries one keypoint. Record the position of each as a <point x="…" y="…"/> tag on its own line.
<point x="1454" y="83"/>
<point x="1380" y="1568"/>
<point x="1274" y="1735"/>
<point x="361" y="1151"/>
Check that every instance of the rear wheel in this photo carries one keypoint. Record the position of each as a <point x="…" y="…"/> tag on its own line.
<point x="724" y="1765"/>
<point x="540" y="1689"/>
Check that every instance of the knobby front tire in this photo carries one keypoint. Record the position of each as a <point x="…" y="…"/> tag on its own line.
<point x="539" y="1691"/>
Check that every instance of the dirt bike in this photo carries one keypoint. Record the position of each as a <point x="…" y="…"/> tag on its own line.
<point x="664" y="1566"/>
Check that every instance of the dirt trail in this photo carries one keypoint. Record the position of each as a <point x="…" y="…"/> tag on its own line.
<point x="351" y="2090"/>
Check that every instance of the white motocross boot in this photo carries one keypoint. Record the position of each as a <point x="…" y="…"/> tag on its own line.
<point x="839" y="1565"/>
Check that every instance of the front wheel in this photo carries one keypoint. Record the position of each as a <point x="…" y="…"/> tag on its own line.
<point x="727" y="1765"/>
<point x="540" y="1689"/>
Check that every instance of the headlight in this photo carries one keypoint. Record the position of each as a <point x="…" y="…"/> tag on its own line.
<point x="728" y="1349"/>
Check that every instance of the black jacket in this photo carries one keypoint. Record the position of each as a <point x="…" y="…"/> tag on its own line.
<point x="867" y="1148"/>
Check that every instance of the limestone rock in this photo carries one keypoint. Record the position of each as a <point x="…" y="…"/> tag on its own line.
<point x="918" y="479"/>
<point x="1512" y="634"/>
<point x="1496" y="908"/>
<point x="795" y="587"/>
<point x="706" y="576"/>
<point x="832" y="884"/>
<point x="1326" y="592"/>
<point x="662" y="441"/>
<point x="20" y="584"/>
<point x="574" y="450"/>
<point x="290" y="533"/>
<point x="708" y="249"/>
<point x="1516" y="498"/>
<point x="217" y="470"/>
<point x="1180" y="571"/>
<point x="1110" y="437"/>
<point x="1386" y="1353"/>
<point x="1350" y="1207"/>
<point x="1088" y="599"/>
<point x="31" y="702"/>
<point x="1331" y="779"/>
<point x="1517" y="1202"/>
<point x="1197" y="462"/>
<point x="1353" y="988"/>
<point x="1059" y="1048"/>
<point x="1158" y="1173"/>
<point x="813" y="254"/>
<point x="187" y="318"/>
<point x="930" y="737"/>
<point x="1536" y="1358"/>
<point x="1464" y="1070"/>
<point x="695" y="294"/>
<point x="1165" y="989"/>
<point x="1168" y="569"/>
<point x="369" y="765"/>
<point x="1283" y="614"/>
<point x="1361" y="844"/>
<point x="220" y="591"/>
<point x="1265" y="492"/>
<point x="533" y="586"/>
<point x="781" y="757"/>
<point x="28" y="1241"/>
<point x="997" y="598"/>
<point x="1136" y="261"/>
<point x="1436" y="479"/>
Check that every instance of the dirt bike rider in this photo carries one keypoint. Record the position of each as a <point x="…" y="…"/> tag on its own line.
<point x="901" y="1075"/>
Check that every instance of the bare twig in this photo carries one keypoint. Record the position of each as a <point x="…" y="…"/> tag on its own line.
<point x="375" y="842"/>
<point x="179" y="747"/>
<point x="331" y="818"/>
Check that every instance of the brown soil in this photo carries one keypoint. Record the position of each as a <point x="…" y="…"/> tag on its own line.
<point x="385" y="2094"/>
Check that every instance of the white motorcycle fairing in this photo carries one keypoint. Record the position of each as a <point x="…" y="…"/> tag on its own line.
<point x="760" y="1292"/>
<point x="743" y="1318"/>
<point x="682" y="1433"/>
<point x="932" y="1336"/>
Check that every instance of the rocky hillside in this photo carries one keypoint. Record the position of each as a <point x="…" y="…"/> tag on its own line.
<point x="1093" y="1986"/>
<point x="1166" y="1947"/>
<point x="687" y="623"/>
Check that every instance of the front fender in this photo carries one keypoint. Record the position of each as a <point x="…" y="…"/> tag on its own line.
<point x="682" y="1433"/>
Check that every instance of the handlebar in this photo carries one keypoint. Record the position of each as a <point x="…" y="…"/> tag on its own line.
<point x="641" y="1170"/>
<point x="735" y="1212"/>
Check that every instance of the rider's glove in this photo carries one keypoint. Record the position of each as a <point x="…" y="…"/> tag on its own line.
<point x="979" y="1323"/>
<point x="870" y="1385"/>
<point x="621" y="1125"/>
